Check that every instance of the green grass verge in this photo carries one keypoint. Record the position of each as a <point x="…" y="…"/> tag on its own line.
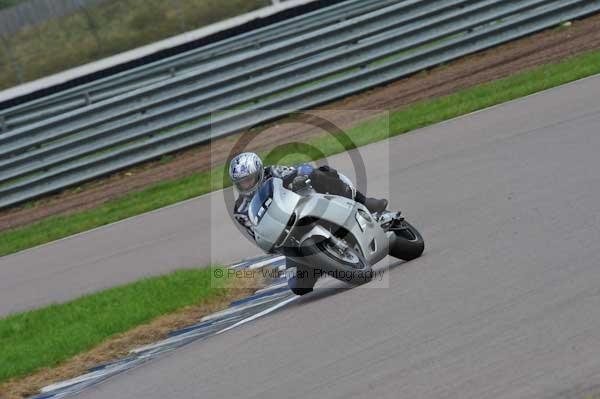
<point x="412" y="117"/>
<point x="48" y="336"/>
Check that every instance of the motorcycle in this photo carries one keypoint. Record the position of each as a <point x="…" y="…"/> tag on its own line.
<point x="323" y="234"/>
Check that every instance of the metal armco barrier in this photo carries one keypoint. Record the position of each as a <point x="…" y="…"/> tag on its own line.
<point x="143" y="113"/>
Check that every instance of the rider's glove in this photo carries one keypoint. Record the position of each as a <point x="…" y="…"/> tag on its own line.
<point x="300" y="182"/>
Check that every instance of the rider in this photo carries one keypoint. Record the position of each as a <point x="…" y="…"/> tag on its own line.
<point x="247" y="173"/>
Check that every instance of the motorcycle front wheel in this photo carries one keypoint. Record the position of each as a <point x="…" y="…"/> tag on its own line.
<point x="348" y="265"/>
<point x="301" y="282"/>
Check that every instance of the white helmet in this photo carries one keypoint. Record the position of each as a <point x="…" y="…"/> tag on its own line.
<point x="246" y="172"/>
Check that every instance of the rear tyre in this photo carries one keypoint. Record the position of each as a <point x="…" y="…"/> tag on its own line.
<point x="408" y="244"/>
<point x="348" y="266"/>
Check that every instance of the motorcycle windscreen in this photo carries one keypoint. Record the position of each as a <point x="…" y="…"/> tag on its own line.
<point x="260" y="202"/>
<point x="270" y="210"/>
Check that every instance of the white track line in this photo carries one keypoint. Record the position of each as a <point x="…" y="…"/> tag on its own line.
<point x="260" y="314"/>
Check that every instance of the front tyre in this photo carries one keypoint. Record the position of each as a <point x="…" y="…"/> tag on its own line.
<point x="407" y="243"/>
<point x="302" y="282"/>
<point x="343" y="263"/>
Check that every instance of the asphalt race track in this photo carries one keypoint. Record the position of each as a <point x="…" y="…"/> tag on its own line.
<point x="155" y="243"/>
<point x="505" y="302"/>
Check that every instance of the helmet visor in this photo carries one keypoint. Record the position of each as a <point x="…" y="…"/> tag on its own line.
<point x="247" y="184"/>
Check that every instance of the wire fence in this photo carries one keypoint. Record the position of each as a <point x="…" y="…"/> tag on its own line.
<point x="34" y="12"/>
<point x="42" y="37"/>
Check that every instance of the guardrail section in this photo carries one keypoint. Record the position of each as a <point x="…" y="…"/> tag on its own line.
<point x="143" y="113"/>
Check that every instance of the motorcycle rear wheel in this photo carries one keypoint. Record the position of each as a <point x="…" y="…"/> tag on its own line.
<point x="408" y="244"/>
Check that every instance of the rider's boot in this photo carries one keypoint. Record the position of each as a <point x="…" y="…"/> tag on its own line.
<point x="373" y="204"/>
<point x="326" y="179"/>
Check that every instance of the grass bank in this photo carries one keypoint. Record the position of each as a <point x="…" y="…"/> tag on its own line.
<point x="403" y="120"/>
<point x="9" y="3"/>
<point x="47" y="337"/>
<point x="104" y="30"/>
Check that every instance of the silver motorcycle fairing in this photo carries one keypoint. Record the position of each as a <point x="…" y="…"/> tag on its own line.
<point x="353" y="217"/>
<point x="275" y="211"/>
